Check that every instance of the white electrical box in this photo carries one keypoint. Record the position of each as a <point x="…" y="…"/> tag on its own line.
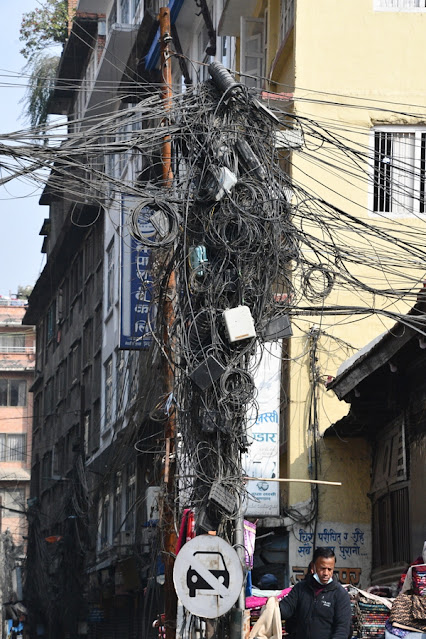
<point x="226" y="180"/>
<point x="239" y="323"/>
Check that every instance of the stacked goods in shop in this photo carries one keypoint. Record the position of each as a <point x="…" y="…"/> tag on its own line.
<point x="419" y="579"/>
<point x="354" y="620"/>
<point x="408" y="614"/>
<point x="371" y="618"/>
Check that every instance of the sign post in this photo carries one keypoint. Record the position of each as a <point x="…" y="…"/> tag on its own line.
<point x="208" y="576"/>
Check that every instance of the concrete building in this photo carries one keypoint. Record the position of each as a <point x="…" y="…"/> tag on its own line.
<point x="17" y="362"/>
<point x="327" y="69"/>
<point x="97" y="395"/>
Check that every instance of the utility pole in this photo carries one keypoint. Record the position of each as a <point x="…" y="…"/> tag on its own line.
<point x="169" y="535"/>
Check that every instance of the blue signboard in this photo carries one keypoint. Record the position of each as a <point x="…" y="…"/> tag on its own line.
<point x="136" y="309"/>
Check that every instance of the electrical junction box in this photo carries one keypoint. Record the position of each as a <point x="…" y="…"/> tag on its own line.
<point x="239" y="323"/>
<point x="207" y="372"/>
<point x="160" y="222"/>
<point x="277" y="328"/>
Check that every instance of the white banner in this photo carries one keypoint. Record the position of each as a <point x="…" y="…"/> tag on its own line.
<point x="262" y="460"/>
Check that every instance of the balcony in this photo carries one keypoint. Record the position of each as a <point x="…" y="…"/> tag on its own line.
<point x="111" y="67"/>
<point x="17" y="349"/>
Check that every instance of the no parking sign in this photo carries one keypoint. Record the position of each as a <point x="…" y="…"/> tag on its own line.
<point x="208" y="576"/>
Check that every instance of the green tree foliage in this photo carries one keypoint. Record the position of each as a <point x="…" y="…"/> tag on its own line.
<point x="24" y="291"/>
<point x="42" y="73"/>
<point x="45" y="25"/>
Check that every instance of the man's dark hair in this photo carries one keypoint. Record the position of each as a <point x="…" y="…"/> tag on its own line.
<point x="327" y="553"/>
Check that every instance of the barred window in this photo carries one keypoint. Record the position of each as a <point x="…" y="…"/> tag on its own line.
<point x="399" y="172"/>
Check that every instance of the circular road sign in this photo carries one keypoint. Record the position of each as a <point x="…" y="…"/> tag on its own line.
<point x="208" y="576"/>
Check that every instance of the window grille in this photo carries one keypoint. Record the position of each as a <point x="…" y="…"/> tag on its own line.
<point x="399" y="172"/>
<point x="391" y="539"/>
<point x="400" y="5"/>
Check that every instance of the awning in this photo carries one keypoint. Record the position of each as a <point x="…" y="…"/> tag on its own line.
<point x="369" y="359"/>
<point x="13" y="474"/>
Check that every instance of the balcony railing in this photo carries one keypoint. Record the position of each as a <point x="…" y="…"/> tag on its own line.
<point x="287" y="17"/>
<point x="17" y="349"/>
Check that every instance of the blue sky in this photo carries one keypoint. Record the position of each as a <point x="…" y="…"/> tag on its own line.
<point x="21" y="217"/>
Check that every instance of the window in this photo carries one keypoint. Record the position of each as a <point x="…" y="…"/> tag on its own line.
<point x="13" y="499"/>
<point x="12" y="343"/>
<point x="110" y="275"/>
<point x="202" y="56"/>
<point x="51" y="321"/>
<point x="399" y="5"/>
<point x="252" y="51"/>
<point x="132" y="365"/>
<point x="40" y="345"/>
<point x="97" y="329"/>
<point x="391" y="535"/>
<point x="37" y="411"/>
<point x="124" y="12"/>
<point x="64" y="295"/>
<point x="13" y="392"/>
<point x="58" y="463"/>
<point x="117" y="504"/>
<point x="124" y="134"/>
<point x="61" y="381"/>
<point x="88" y="342"/>
<point x="87" y="432"/>
<point x="97" y="373"/>
<point x="13" y="447"/>
<point x="74" y="363"/>
<point x="87" y="388"/>
<point x="108" y="391"/>
<point x="130" y="497"/>
<point x="120" y="385"/>
<point x="112" y="18"/>
<point x="105" y="522"/>
<point x="287" y="17"/>
<point x="49" y="395"/>
<point x="399" y="171"/>
<point x="88" y="295"/>
<point x="95" y="427"/>
<point x="88" y="255"/>
<point x="75" y="278"/>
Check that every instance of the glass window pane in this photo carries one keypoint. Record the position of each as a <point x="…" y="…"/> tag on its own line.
<point x="15" y="447"/>
<point x="3" y="392"/>
<point x="18" y="392"/>
<point x="13" y="499"/>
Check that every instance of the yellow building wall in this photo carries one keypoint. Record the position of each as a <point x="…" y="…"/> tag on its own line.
<point x="337" y="53"/>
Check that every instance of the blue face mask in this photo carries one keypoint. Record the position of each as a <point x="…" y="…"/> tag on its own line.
<point x="320" y="582"/>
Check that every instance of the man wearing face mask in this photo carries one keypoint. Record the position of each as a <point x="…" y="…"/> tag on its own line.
<point x="319" y="603"/>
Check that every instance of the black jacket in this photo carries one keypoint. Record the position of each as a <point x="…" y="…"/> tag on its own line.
<point x="326" y="616"/>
